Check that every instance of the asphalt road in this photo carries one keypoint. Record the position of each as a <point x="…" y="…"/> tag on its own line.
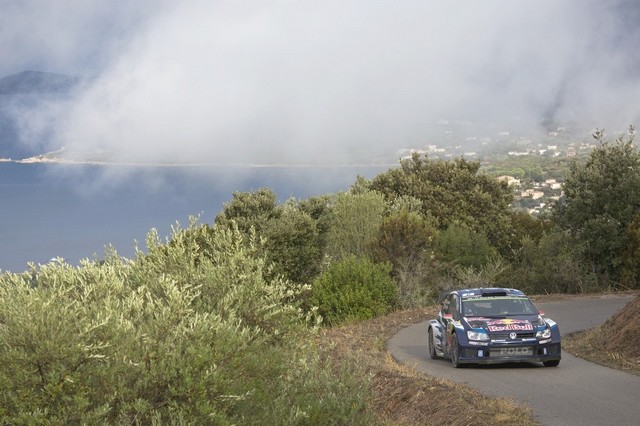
<point x="576" y="392"/>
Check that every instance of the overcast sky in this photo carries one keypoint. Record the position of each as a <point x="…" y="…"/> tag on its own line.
<point x="306" y="81"/>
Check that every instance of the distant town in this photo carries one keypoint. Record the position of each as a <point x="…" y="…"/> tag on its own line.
<point x="503" y="151"/>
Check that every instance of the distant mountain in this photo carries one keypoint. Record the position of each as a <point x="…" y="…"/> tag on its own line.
<point x="22" y="95"/>
<point x="36" y="82"/>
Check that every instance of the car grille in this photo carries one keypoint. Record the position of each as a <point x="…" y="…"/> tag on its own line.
<point x="505" y="336"/>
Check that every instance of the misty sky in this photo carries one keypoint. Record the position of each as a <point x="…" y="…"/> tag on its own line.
<point x="319" y="81"/>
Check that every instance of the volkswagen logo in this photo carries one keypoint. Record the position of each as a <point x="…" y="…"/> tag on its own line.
<point x="512" y="335"/>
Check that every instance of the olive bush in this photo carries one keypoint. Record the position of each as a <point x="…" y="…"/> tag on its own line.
<point x="189" y="333"/>
<point x="355" y="221"/>
<point x="353" y="288"/>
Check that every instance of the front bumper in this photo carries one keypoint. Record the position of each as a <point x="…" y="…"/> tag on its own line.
<point x="501" y="353"/>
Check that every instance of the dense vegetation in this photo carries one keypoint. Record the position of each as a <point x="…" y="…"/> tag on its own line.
<point x="190" y="333"/>
<point x="602" y="210"/>
<point x="215" y="325"/>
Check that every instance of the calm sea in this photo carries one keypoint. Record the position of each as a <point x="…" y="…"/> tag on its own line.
<point x="73" y="212"/>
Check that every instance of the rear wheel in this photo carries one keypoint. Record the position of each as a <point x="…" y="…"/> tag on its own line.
<point x="553" y="363"/>
<point x="432" y="345"/>
<point x="455" y="352"/>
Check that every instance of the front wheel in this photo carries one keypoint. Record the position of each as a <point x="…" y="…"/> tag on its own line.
<point x="432" y="345"/>
<point x="455" y="352"/>
<point x="553" y="363"/>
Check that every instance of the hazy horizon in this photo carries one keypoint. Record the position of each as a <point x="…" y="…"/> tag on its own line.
<point x="314" y="82"/>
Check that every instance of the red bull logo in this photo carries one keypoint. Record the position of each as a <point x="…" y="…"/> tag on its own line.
<point x="509" y="325"/>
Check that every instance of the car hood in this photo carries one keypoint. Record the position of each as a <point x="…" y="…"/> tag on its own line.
<point x="494" y="325"/>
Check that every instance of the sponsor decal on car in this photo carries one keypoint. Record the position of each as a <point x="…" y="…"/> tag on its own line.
<point x="526" y="351"/>
<point x="509" y="325"/>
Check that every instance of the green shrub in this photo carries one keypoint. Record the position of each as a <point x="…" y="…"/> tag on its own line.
<point x="354" y="288"/>
<point x="551" y="265"/>
<point x="355" y="221"/>
<point x="461" y="245"/>
<point x="190" y="333"/>
<point x="406" y="240"/>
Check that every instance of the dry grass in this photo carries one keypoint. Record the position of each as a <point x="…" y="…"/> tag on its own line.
<point x="615" y="344"/>
<point x="402" y="396"/>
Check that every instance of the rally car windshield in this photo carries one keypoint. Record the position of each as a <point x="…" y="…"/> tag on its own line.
<point x="498" y="307"/>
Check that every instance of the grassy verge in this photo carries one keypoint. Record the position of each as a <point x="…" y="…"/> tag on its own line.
<point x="401" y="396"/>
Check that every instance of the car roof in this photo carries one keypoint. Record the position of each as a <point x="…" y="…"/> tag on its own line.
<point x="483" y="292"/>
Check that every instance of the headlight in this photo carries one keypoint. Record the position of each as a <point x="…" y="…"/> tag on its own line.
<point x="544" y="334"/>
<point x="477" y="335"/>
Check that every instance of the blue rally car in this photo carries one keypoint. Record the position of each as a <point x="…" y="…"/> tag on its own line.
<point x="492" y="325"/>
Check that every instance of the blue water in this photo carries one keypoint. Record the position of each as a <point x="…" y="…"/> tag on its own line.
<point x="73" y="212"/>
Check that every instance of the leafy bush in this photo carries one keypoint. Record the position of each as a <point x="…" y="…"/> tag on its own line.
<point x="452" y="191"/>
<point x="294" y="245"/>
<point x="354" y="288"/>
<point x="551" y="265"/>
<point x="601" y="202"/>
<point x="461" y="245"/>
<point x="294" y="233"/>
<point x="189" y="333"/>
<point x="355" y="221"/>
<point x="406" y="240"/>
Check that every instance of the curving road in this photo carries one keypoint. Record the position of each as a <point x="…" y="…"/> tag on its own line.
<point x="575" y="393"/>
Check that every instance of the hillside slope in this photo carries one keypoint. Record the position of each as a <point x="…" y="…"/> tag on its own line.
<point x="623" y="330"/>
<point x="23" y="98"/>
<point x="616" y="343"/>
<point x="29" y="82"/>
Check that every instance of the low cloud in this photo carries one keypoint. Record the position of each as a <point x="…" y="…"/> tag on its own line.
<point x="325" y="82"/>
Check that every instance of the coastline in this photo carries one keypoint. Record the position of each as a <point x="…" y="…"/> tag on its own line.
<point x="64" y="161"/>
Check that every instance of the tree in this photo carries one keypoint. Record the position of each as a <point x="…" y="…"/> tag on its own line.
<point x="525" y="225"/>
<point x="320" y="210"/>
<point x="403" y="237"/>
<point x="406" y="240"/>
<point x="549" y="264"/>
<point x="452" y="191"/>
<point x="355" y="222"/>
<point x="249" y="209"/>
<point x="461" y="245"/>
<point x="294" y="243"/>
<point x="602" y="198"/>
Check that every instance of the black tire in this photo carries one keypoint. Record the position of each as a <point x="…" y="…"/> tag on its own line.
<point x="432" y="345"/>
<point x="553" y="363"/>
<point x="455" y="352"/>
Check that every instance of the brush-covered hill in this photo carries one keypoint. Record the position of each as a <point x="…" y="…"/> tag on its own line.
<point x="616" y="343"/>
<point x="624" y="329"/>
<point x="30" y="82"/>
<point x="23" y="96"/>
